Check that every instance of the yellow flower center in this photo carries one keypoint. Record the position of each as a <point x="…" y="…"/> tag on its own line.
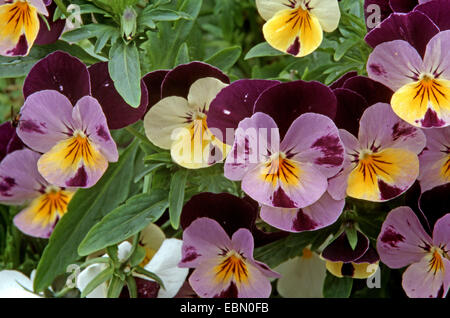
<point x="233" y="267"/>
<point x="278" y="167"/>
<point x="436" y="263"/>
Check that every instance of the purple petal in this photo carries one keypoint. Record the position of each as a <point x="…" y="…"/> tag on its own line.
<point x="322" y="213"/>
<point x="20" y="180"/>
<point x="437" y="56"/>
<point x="414" y="27"/>
<point x="372" y="91"/>
<point x="394" y="64"/>
<point x="89" y="115"/>
<point x="153" y="82"/>
<point x="255" y="139"/>
<point x="46" y="119"/>
<point x="234" y="103"/>
<point x="420" y="282"/>
<point x="349" y="102"/>
<point x="9" y="141"/>
<point x="381" y="128"/>
<point x="286" y="101"/>
<point x="340" y="250"/>
<point x="441" y="232"/>
<point x="118" y="113"/>
<point x="46" y="36"/>
<point x="203" y="239"/>
<point x="314" y="139"/>
<point x="402" y="239"/>
<point x="178" y="81"/>
<point x="61" y="72"/>
<point x="437" y="11"/>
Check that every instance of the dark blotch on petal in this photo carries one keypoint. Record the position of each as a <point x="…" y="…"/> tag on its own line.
<point x="377" y="69"/>
<point x="190" y="254"/>
<point x="20" y="49"/>
<point x="230" y="292"/>
<point x="31" y="127"/>
<point x="281" y="200"/>
<point x="332" y="150"/>
<point x="79" y="180"/>
<point x="6" y="185"/>
<point x="431" y="119"/>
<point x="387" y="191"/>
<point x="401" y="129"/>
<point x="391" y="237"/>
<point x="294" y="49"/>
<point x="303" y="222"/>
<point x="102" y="132"/>
<point x="347" y="269"/>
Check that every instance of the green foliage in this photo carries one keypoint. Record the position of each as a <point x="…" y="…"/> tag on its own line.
<point x="335" y="287"/>
<point x="176" y="196"/>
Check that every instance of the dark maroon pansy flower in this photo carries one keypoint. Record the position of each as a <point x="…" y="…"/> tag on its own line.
<point x="153" y="81"/>
<point x="118" y="113"/>
<point x="434" y="204"/>
<point x="9" y="141"/>
<point x="45" y="35"/>
<point x="231" y="212"/>
<point x="234" y="103"/>
<point x="386" y="7"/>
<point x="340" y="249"/>
<point x="437" y="11"/>
<point x="68" y="75"/>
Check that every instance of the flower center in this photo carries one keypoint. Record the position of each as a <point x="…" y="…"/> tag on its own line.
<point x="233" y="267"/>
<point x="436" y="263"/>
<point x="278" y="167"/>
<point x="52" y="205"/>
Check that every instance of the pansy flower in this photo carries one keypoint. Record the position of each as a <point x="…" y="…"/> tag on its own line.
<point x="178" y="122"/>
<point x="75" y="140"/>
<point x="296" y="26"/>
<point x="344" y="261"/>
<point x="435" y="159"/>
<point x="161" y="258"/>
<point x="421" y="85"/>
<point x="9" y="141"/>
<point x="19" y="25"/>
<point x="69" y="76"/>
<point x="302" y="276"/>
<point x="223" y="266"/>
<point x="382" y="162"/>
<point x="14" y="284"/>
<point x="403" y="242"/>
<point x="433" y="205"/>
<point x="21" y="183"/>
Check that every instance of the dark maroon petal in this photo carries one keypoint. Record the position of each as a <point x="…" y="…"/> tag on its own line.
<point x="46" y="36"/>
<point x="230" y="292"/>
<point x="385" y="10"/>
<point x="61" y="72"/>
<point x="153" y="82"/>
<point x="414" y="27"/>
<point x="373" y="92"/>
<point x="339" y="83"/>
<point x="178" y="81"/>
<point x="9" y="141"/>
<point x="145" y="289"/>
<point x="438" y="12"/>
<point x="350" y="108"/>
<point x="231" y="212"/>
<point x="118" y="113"/>
<point x="20" y="49"/>
<point x="234" y="103"/>
<point x="285" y="102"/>
<point x="340" y="250"/>
<point x="403" y="5"/>
<point x="434" y="203"/>
<point x="370" y="256"/>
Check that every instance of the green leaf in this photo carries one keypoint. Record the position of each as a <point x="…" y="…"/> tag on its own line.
<point x="225" y="58"/>
<point x="159" y="157"/>
<point x="352" y="236"/>
<point x="151" y="15"/>
<point x="132" y="288"/>
<point x="261" y="50"/>
<point x="142" y="271"/>
<point x="124" y="68"/>
<point x="125" y="221"/>
<point x="86" y="208"/>
<point x="147" y="170"/>
<point x="115" y="287"/>
<point x="335" y="287"/>
<point x="176" y="196"/>
<point x="138" y="256"/>
<point x="344" y="47"/>
<point x="104" y="276"/>
<point x="183" y="55"/>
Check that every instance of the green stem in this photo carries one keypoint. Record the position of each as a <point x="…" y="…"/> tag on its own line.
<point x="62" y="7"/>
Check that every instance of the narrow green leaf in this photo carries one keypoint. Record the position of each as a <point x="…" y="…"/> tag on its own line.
<point x="148" y="169"/>
<point x="125" y="221"/>
<point x="138" y="256"/>
<point x="86" y="208"/>
<point x="335" y="287"/>
<point x="142" y="271"/>
<point x="343" y="48"/>
<point x="115" y="287"/>
<point x="132" y="288"/>
<point x="225" y="58"/>
<point x="176" y="196"/>
<point x="261" y="50"/>
<point x="113" y="254"/>
<point x="125" y="71"/>
<point x="104" y="275"/>
<point x="183" y="55"/>
<point x="352" y="236"/>
<point x="159" y="157"/>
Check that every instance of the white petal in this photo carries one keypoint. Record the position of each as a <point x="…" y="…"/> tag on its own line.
<point x="328" y="13"/>
<point x="203" y="91"/>
<point x="302" y="277"/>
<point x="124" y="250"/>
<point x="14" y="284"/>
<point x="268" y="8"/>
<point x="87" y="275"/>
<point x="165" y="265"/>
